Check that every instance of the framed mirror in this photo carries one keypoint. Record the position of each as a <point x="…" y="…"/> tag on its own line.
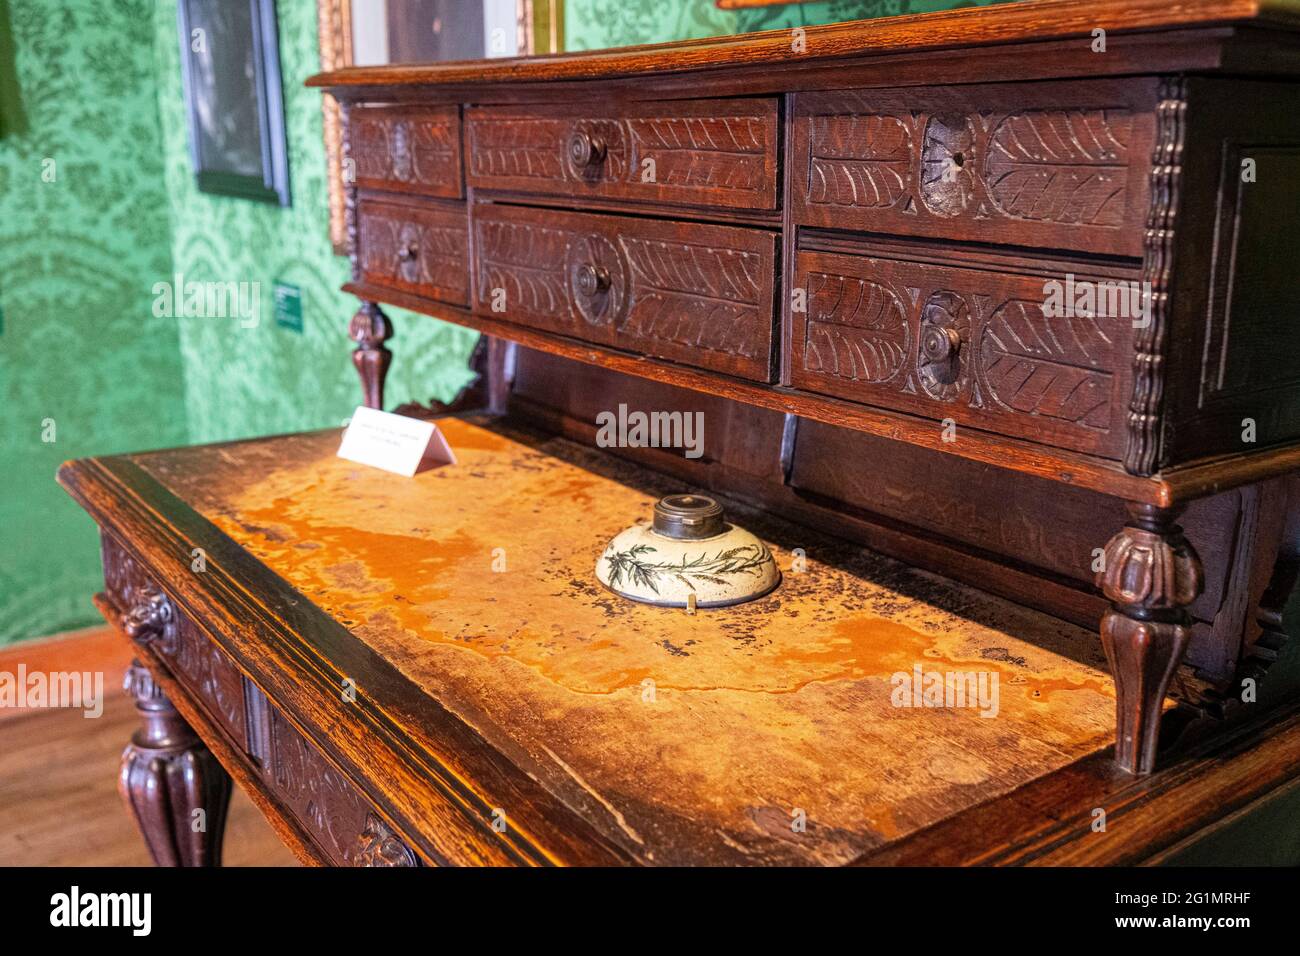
<point x="376" y="32"/>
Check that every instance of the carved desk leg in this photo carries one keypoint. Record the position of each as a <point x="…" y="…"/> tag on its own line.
<point x="1151" y="575"/>
<point x="167" y="775"/>
<point x="370" y="328"/>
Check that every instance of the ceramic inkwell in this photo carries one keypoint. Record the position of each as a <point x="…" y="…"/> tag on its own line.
<point x="688" y="550"/>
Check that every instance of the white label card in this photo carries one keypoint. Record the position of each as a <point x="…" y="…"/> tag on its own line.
<point x="394" y="443"/>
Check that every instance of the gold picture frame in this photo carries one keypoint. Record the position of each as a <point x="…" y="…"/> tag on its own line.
<point x="540" y="30"/>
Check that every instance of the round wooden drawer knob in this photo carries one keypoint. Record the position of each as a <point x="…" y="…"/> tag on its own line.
<point x="586" y="150"/>
<point x="939" y="344"/>
<point x="592" y="279"/>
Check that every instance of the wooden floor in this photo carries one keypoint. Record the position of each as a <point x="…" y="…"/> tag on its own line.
<point x="58" y="773"/>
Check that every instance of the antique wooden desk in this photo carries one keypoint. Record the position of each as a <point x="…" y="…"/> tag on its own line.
<point x="839" y="245"/>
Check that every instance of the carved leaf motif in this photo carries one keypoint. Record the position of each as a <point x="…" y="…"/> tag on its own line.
<point x="421" y="149"/>
<point x="856" y="329"/>
<point x="1058" y="367"/>
<point x="528" y="148"/>
<point x="694" y="295"/>
<point x="222" y="685"/>
<point x="860" y="160"/>
<point x="378" y="245"/>
<point x="317" y="794"/>
<point x="1061" y="166"/>
<point x="719" y="151"/>
<point x="700" y="270"/>
<point x="370" y="148"/>
<point x="714" y="134"/>
<point x="433" y="152"/>
<point x="441" y="256"/>
<point x="526" y="262"/>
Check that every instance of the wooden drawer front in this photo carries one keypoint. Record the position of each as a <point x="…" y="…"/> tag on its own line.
<point x="198" y="664"/>
<point x="407" y="149"/>
<point x="968" y="344"/>
<point x="341" y="822"/>
<point x="1061" y="165"/>
<point x="326" y="804"/>
<point x="702" y="152"/>
<point x="695" y="294"/>
<point x="209" y="674"/>
<point x="416" y="249"/>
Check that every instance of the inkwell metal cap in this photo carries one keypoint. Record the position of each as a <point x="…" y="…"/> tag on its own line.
<point x="688" y="517"/>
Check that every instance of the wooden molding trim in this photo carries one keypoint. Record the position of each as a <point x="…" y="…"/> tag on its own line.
<point x="1157" y="268"/>
<point x="969" y="27"/>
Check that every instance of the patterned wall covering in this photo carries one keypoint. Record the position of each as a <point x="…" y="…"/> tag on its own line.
<point x="78" y="260"/>
<point x="257" y="381"/>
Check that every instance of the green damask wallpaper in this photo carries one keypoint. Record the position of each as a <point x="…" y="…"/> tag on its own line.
<point x="257" y="381"/>
<point x="85" y="368"/>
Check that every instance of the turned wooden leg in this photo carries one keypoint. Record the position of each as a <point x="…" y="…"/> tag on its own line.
<point x="1150" y="574"/>
<point x="167" y="776"/>
<point x="370" y="328"/>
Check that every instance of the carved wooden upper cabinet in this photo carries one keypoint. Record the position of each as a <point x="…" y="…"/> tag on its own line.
<point x="1065" y="229"/>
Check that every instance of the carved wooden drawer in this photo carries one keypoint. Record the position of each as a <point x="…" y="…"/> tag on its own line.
<point x="324" y="801"/>
<point x="1059" y="165"/>
<point x="150" y="617"/>
<point x="407" y="149"/>
<point x="696" y="294"/>
<point x="419" y="249"/>
<point x="951" y="340"/>
<point x="702" y="152"/>
<point x="340" y="822"/>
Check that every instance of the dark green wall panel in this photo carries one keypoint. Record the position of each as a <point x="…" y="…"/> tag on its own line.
<point x="79" y="256"/>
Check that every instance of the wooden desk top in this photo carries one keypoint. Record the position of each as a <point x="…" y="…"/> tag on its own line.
<point x="757" y="710"/>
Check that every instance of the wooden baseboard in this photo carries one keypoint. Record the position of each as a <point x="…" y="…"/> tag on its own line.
<point x="95" y="649"/>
